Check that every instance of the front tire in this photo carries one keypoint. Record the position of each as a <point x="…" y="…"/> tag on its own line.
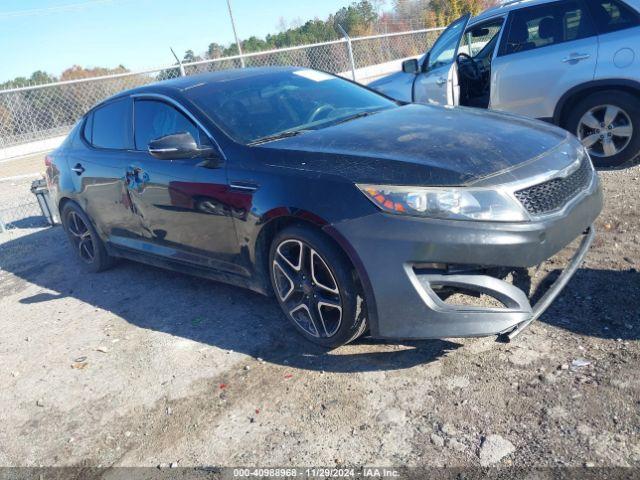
<point x="608" y="125"/>
<point x="316" y="287"/>
<point x="84" y="239"/>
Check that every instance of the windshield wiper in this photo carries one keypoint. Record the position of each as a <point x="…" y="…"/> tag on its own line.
<point x="354" y="117"/>
<point x="277" y="136"/>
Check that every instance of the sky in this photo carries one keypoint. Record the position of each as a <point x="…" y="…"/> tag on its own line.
<point x="52" y="35"/>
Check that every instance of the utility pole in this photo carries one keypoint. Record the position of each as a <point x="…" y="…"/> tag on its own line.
<point x="235" y="33"/>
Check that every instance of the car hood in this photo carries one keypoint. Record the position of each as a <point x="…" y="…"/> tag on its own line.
<point x="418" y="145"/>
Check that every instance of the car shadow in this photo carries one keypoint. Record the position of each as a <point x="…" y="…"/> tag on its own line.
<point x="27" y="222"/>
<point x="200" y="310"/>
<point x="597" y="303"/>
<point x="231" y="318"/>
<point x="625" y="166"/>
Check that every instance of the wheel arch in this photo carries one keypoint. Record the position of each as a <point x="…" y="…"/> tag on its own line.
<point x="63" y="201"/>
<point x="577" y="93"/>
<point x="66" y="200"/>
<point x="279" y="223"/>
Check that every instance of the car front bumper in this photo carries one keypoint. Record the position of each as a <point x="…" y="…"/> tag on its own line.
<point x="399" y="260"/>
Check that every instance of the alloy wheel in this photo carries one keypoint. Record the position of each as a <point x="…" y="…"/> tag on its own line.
<point x="81" y="237"/>
<point x="307" y="289"/>
<point x="605" y="130"/>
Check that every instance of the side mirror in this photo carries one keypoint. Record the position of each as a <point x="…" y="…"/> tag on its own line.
<point x="178" y="146"/>
<point x="410" y="66"/>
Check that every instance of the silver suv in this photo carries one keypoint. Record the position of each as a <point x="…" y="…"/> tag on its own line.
<point x="575" y="63"/>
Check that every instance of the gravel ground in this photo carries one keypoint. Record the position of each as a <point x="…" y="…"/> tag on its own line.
<point x="142" y="367"/>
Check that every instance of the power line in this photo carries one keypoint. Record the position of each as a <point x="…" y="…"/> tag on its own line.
<point x="48" y="10"/>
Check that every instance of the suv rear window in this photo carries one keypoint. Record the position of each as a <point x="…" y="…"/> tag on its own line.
<point x="611" y="15"/>
<point x="547" y="24"/>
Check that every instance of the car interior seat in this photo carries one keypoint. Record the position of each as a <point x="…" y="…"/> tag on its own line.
<point x="519" y="36"/>
<point x="549" y="30"/>
<point x="600" y="14"/>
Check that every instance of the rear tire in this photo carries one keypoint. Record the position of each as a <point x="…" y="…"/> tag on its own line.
<point x="608" y="124"/>
<point x="84" y="240"/>
<point x="316" y="287"/>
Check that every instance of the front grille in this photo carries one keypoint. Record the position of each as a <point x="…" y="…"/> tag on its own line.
<point x="551" y="196"/>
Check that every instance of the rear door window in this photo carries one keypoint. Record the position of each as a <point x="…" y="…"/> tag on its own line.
<point x="112" y="126"/>
<point x="612" y="15"/>
<point x="155" y="119"/>
<point x="544" y="25"/>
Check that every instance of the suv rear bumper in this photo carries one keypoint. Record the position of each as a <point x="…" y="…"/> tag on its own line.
<point x="401" y="262"/>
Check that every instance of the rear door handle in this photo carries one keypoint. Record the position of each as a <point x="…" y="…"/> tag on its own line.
<point x="79" y="169"/>
<point x="244" y="186"/>
<point x="441" y="81"/>
<point x="576" y="57"/>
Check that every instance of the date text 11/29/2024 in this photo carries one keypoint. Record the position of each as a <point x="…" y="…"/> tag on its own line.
<point x="317" y="472"/>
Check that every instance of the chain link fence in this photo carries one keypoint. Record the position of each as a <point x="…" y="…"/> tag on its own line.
<point x="19" y="208"/>
<point x="41" y="112"/>
<point x="29" y="115"/>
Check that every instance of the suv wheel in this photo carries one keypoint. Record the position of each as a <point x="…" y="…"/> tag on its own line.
<point x="316" y="287"/>
<point x="608" y="125"/>
<point x="84" y="239"/>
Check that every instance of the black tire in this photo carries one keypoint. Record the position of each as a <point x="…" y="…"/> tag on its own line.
<point x="629" y="104"/>
<point x="329" y="331"/>
<point x="84" y="240"/>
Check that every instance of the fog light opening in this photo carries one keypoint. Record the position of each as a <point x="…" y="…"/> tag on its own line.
<point x="462" y="297"/>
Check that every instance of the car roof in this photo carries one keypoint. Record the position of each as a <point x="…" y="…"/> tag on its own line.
<point x="509" y="5"/>
<point x="505" y="7"/>
<point x="182" y="84"/>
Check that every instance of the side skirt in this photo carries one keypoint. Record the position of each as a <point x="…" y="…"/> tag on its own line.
<point x="188" y="269"/>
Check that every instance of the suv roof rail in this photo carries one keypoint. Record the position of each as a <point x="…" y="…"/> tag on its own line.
<point x="506" y="3"/>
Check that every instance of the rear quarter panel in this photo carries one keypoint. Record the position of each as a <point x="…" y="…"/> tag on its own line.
<point x="619" y="55"/>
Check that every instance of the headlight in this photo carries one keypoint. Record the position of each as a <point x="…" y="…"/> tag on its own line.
<point x="446" y="202"/>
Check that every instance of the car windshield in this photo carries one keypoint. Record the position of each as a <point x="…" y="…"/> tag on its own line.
<point x="258" y="107"/>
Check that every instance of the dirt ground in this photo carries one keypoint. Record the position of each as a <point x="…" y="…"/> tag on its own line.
<point x="142" y="367"/>
<point x="19" y="167"/>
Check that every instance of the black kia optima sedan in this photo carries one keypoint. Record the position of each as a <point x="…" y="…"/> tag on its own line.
<point x="356" y="212"/>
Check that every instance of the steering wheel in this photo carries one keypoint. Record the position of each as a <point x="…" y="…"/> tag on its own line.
<point x="470" y="69"/>
<point x="318" y="111"/>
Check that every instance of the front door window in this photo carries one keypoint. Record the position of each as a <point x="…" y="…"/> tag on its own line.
<point x="443" y="51"/>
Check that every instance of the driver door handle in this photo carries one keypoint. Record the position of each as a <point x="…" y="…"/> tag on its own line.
<point x="576" y="57"/>
<point x="441" y="81"/>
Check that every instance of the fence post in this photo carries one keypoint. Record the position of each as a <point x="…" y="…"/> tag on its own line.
<point x="350" y="50"/>
<point x="181" y="67"/>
